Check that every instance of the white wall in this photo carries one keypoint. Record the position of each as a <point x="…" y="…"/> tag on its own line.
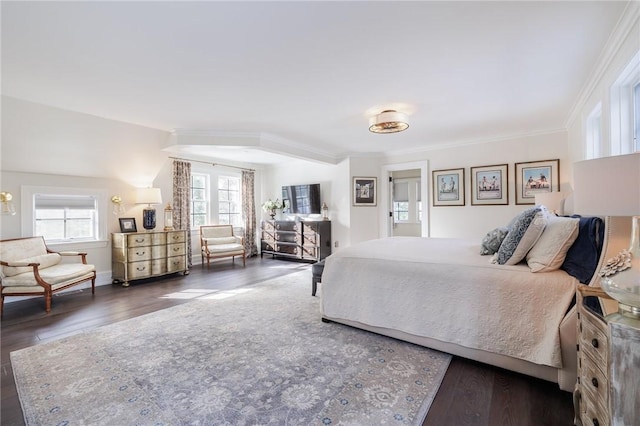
<point x="475" y="221"/>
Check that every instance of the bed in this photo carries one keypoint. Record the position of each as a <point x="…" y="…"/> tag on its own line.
<point x="441" y="293"/>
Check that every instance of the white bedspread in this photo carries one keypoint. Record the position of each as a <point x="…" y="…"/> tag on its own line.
<point x="443" y="289"/>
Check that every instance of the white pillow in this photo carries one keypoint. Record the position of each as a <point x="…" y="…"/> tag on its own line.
<point x="551" y="249"/>
<point x="530" y="237"/>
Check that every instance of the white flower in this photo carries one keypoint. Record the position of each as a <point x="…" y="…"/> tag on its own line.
<point x="272" y="205"/>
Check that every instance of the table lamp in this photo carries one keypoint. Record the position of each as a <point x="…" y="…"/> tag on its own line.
<point x="610" y="186"/>
<point x="149" y="196"/>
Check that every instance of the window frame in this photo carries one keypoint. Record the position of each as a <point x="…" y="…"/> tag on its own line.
<point x="622" y="109"/>
<point x="212" y="193"/>
<point x="239" y="201"/>
<point x="207" y="200"/>
<point x="28" y="214"/>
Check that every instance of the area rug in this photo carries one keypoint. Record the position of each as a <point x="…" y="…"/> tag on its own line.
<point x="258" y="355"/>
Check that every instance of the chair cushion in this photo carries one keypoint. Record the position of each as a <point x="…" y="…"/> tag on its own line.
<point x="45" y="261"/>
<point x="221" y="240"/>
<point x="63" y="273"/>
<point x="216" y="231"/>
<point x="224" y="248"/>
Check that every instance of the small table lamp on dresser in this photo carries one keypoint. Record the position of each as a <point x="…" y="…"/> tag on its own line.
<point x="608" y="389"/>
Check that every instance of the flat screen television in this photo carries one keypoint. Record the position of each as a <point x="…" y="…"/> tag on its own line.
<point x="302" y="199"/>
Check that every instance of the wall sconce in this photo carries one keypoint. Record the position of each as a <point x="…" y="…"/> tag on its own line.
<point x="118" y="205"/>
<point x="6" y="205"/>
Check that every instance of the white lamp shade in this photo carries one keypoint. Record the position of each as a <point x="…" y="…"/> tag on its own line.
<point x="148" y="196"/>
<point x="608" y="186"/>
<point x="389" y="121"/>
<point x="553" y="201"/>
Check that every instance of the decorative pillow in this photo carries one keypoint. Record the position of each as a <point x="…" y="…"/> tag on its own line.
<point x="582" y="257"/>
<point x="45" y="260"/>
<point x="491" y="242"/>
<point x="551" y="249"/>
<point x="520" y="239"/>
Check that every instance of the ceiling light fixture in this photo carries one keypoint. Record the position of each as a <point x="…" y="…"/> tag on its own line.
<point x="388" y="121"/>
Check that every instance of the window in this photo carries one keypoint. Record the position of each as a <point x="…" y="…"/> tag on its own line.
<point x="215" y="199"/>
<point x="624" y="109"/>
<point x="200" y="205"/>
<point x="593" y="132"/>
<point x="61" y="218"/>
<point x="65" y="216"/>
<point x="229" y="201"/>
<point x="400" y="211"/>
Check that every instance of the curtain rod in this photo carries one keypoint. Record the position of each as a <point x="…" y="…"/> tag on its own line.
<point x="213" y="164"/>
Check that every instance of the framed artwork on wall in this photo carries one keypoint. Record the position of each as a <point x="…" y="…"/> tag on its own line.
<point x="535" y="177"/>
<point x="128" y="224"/>
<point x="448" y="187"/>
<point x="365" y="191"/>
<point x="489" y="185"/>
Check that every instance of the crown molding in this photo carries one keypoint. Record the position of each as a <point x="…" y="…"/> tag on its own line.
<point x="625" y="24"/>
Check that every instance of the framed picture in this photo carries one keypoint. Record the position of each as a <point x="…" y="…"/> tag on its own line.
<point x="448" y="187"/>
<point x="128" y="224"/>
<point x="364" y="191"/>
<point x="489" y="185"/>
<point x="535" y="177"/>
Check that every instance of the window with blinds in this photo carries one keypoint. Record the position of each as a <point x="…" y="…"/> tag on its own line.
<point x="60" y="218"/>
<point x="407" y="205"/>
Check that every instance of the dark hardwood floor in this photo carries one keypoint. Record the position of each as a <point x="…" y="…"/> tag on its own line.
<point x="471" y="393"/>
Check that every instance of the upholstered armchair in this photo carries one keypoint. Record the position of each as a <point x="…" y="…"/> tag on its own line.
<point x="29" y="268"/>
<point x="217" y="241"/>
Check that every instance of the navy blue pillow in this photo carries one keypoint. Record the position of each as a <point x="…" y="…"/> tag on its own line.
<point x="582" y="257"/>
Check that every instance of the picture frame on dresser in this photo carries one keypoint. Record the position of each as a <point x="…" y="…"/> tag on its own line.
<point x="536" y="177"/>
<point x="128" y="224"/>
<point x="489" y="185"/>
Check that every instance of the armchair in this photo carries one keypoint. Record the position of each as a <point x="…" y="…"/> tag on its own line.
<point x="29" y="268"/>
<point x="218" y="241"/>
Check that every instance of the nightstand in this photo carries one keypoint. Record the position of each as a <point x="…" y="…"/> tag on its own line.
<point x="608" y="388"/>
<point x="592" y="390"/>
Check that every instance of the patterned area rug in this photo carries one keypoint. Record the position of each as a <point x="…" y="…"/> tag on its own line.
<point x="258" y="355"/>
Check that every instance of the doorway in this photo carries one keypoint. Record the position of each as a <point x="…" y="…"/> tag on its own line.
<point x="406" y="199"/>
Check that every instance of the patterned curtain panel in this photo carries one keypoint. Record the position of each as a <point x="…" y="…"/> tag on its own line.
<point x="182" y="201"/>
<point x="249" y="212"/>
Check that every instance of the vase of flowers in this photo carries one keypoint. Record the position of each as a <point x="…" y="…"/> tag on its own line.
<point x="271" y="207"/>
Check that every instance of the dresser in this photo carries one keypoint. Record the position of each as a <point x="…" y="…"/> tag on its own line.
<point x="304" y="241"/>
<point x="141" y="255"/>
<point x="608" y="388"/>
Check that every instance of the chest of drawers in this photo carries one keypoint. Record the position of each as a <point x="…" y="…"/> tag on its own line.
<point x="305" y="240"/>
<point x="141" y="255"/>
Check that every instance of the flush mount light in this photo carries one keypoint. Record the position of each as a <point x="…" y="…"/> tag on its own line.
<point x="389" y="121"/>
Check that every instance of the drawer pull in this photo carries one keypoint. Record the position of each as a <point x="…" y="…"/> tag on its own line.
<point x="594" y="382"/>
<point x="141" y="268"/>
<point x="595" y="422"/>
<point x="595" y="343"/>
<point x="139" y="241"/>
<point x="140" y="254"/>
<point x="176" y="249"/>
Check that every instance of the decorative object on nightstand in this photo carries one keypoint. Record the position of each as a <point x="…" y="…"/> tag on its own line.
<point x="6" y="204"/>
<point x="553" y="201"/>
<point x="149" y="196"/>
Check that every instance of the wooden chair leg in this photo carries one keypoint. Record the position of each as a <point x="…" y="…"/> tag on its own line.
<point x="1" y="305"/>
<point x="244" y="260"/>
<point x="93" y="286"/>
<point x="48" y="296"/>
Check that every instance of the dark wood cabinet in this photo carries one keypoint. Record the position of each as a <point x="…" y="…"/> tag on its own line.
<point x="306" y="240"/>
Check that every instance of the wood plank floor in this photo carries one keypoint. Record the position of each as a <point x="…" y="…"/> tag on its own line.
<point x="471" y="393"/>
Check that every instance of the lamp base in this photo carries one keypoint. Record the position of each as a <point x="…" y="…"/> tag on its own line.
<point x="149" y="218"/>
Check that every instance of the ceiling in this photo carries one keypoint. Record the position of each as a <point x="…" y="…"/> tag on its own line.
<point x="267" y="80"/>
